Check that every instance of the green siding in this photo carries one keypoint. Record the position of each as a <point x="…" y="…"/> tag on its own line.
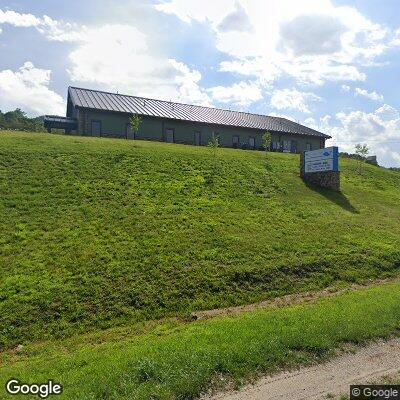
<point x="114" y="125"/>
<point x="150" y="129"/>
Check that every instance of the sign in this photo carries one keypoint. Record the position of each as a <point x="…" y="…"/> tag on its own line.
<point x="322" y="160"/>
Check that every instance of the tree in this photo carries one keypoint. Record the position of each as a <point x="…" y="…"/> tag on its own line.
<point x="213" y="143"/>
<point x="362" y="151"/>
<point x="15" y="116"/>
<point x="135" y="122"/>
<point x="17" y="120"/>
<point x="266" y="141"/>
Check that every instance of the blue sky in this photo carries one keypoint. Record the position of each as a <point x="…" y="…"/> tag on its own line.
<point x="332" y="65"/>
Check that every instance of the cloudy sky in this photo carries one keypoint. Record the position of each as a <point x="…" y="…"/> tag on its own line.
<point x="331" y="65"/>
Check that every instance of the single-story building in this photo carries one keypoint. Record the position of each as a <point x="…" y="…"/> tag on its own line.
<point x="98" y="113"/>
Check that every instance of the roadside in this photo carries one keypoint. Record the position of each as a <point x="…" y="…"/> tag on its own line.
<point x="186" y="360"/>
<point x="329" y="380"/>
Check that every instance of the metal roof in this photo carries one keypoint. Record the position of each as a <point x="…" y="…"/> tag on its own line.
<point x="55" y="121"/>
<point x="57" y="118"/>
<point x="105" y="101"/>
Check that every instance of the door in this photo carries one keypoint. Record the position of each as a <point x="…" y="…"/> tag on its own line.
<point x="235" y="142"/>
<point x="293" y="148"/>
<point x="169" y="135"/>
<point x="197" y="138"/>
<point x="252" y="143"/>
<point x="96" y="128"/>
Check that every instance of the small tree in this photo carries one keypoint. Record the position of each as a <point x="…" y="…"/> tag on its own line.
<point x="135" y="122"/>
<point x="362" y="151"/>
<point x="213" y="143"/>
<point x="266" y="142"/>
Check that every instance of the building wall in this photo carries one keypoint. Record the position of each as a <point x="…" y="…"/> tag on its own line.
<point x="115" y="125"/>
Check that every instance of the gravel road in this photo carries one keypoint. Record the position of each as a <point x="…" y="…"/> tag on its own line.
<point x="324" y="381"/>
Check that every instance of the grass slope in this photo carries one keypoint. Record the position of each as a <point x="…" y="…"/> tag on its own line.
<point x="98" y="232"/>
<point x="180" y="362"/>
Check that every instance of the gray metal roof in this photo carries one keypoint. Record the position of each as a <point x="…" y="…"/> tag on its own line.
<point x="57" y="118"/>
<point x="105" y="101"/>
<point x="57" y="122"/>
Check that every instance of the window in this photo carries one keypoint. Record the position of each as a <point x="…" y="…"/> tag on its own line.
<point x="235" y="141"/>
<point x="308" y="146"/>
<point x="169" y="135"/>
<point x="95" y="128"/>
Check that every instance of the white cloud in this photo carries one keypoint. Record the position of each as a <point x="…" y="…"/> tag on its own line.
<point x="187" y="86"/>
<point x="237" y="20"/>
<point x="380" y="130"/>
<point x="242" y="94"/>
<point x="311" y="122"/>
<point x="61" y="31"/>
<point x="313" y="34"/>
<point x="280" y="115"/>
<point x="117" y="57"/>
<point x="262" y="70"/>
<point x="194" y="10"/>
<point x="387" y="112"/>
<point x="345" y="88"/>
<point x="17" y="19"/>
<point x="53" y="30"/>
<point x="293" y="99"/>
<point x="319" y="70"/>
<point x="312" y="41"/>
<point x="369" y="95"/>
<point x="132" y="66"/>
<point x="396" y="38"/>
<point x="29" y="88"/>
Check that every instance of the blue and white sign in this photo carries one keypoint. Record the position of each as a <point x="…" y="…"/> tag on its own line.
<point x="322" y="160"/>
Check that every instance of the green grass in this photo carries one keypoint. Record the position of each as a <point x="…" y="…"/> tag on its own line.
<point x="180" y="361"/>
<point x="97" y="233"/>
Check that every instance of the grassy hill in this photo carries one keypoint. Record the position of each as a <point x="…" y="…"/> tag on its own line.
<point x="96" y="233"/>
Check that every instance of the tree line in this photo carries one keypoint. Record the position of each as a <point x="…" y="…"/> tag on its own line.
<point x="18" y="120"/>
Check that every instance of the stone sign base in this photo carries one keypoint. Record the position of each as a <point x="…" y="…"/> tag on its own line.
<point x="325" y="179"/>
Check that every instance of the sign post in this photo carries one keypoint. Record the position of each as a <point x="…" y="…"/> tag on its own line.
<point x="321" y="167"/>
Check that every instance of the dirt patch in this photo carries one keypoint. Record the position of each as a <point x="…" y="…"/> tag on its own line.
<point x="329" y="380"/>
<point x="284" y="301"/>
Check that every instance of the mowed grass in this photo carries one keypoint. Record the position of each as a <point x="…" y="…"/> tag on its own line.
<point x="182" y="361"/>
<point x="96" y="233"/>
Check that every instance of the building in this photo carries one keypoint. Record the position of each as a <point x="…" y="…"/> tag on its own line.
<point x="97" y="113"/>
<point x="372" y="160"/>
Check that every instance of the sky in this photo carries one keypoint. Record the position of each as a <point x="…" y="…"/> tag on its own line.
<point x="331" y="65"/>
